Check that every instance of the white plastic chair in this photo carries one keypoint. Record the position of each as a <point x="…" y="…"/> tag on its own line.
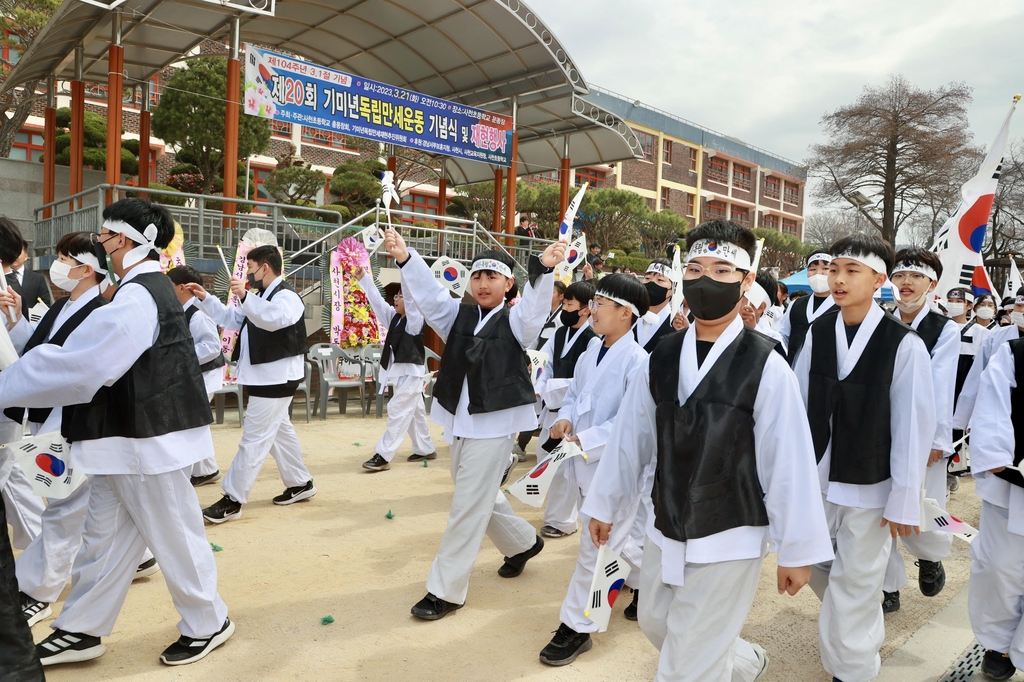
<point x="235" y="389"/>
<point x="326" y="357"/>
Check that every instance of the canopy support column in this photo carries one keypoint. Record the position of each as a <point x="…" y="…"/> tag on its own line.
<point x="231" y="124"/>
<point x="50" y="146"/>
<point x="496" y="222"/>
<point x="144" y="130"/>
<point x="442" y="194"/>
<point x="115" y="85"/>
<point x="77" y="124"/>
<point x="563" y="180"/>
<point x="510" y="193"/>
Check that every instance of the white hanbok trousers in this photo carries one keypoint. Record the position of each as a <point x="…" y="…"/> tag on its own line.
<point x="207" y="466"/>
<point x="697" y="627"/>
<point x="24" y="507"/>
<point x="561" y="510"/>
<point x="127" y="513"/>
<point x="995" y="593"/>
<point x="267" y="430"/>
<point x="478" y="508"/>
<point x="406" y="415"/>
<point x="929" y="545"/>
<point x="44" y="567"/>
<point x="851" y="628"/>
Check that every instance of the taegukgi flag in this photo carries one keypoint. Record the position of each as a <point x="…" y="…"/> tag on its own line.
<point x="452" y="274"/>
<point x="45" y="460"/>
<point x="565" y="228"/>
<point x="533" y="487"/>
<point x="610" y="575"/>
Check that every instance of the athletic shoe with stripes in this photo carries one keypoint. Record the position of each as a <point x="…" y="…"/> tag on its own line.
<point x="189" y="650"/>
<point x="296" y="493"/>
<point x="69" y="647"/>
<point x="33" y="609"/>
<point x="147" y="568"/>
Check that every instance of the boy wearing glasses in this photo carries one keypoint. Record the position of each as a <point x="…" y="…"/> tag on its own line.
<point x="717" y="413"/>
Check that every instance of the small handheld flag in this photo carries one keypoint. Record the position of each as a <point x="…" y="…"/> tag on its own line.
<point x="537" y="362"/>
<point x="452" y="274"/>
<point x="372" y="238"/>
<point x="934" y="518"/>
<point x="565" y="228"/>
<point x="610" y="575"/>
<point x="223" y="260"/>
<point x="575" y="254"/>
<point x="533" y="487"/>
<point x="45" y="460"/>
<point x="677" y="270"/>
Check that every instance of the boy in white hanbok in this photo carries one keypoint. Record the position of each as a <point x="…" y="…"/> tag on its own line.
<point x="803" y="311"/>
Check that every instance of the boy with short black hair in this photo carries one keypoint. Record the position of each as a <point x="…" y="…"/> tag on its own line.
<point x="713" y="398"/>
<point x="270" y="352"/>
<point x="804" y="310"/>
<point x="659" y="280"/>
<point x="867" y="386"/>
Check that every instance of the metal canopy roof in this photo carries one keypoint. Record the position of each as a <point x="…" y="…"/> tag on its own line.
<point x="477" y="52"/>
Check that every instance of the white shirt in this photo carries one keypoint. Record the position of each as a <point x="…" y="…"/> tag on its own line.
<point x="785" y="468"/>
<point x="912" y="423"/>
<point x="96" y="354"/>
<point x="551" y="324"/>
<point x="976" y="333"/>
<point x="647" y="325"/>
<point x="785" y="325"/>
<point x="945" y="357"/>
<point x="440" y="310"/>
<point x="552" y="390"/>
<point x="24" y="329"/>
<point x="385" y="313"/>
<point x="284" y="311"/>
<point x="969" y="391"/>
<point x="206" y="339"/>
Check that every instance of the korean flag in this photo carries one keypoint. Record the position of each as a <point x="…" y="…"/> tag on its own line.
<point x="565" y="228"/>
<point x="575" y="254"/>
<point x="532" y="488"/>
<point x="45" y="460"/>
<point x="452" y="274"/>
<point x="372" y="238"/>
<point x="934" y="518"/>
<point x="537" y="362"/>
<point x="610" y="575"/>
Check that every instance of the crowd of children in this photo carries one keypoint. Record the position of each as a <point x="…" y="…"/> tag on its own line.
<point x="716" y="430"/>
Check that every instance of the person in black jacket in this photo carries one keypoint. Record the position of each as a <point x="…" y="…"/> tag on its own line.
<point x="30" y="285"/>
<point x="18" y="658"/>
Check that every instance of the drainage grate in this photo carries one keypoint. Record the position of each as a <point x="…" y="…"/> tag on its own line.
<point x="967" y="666"/>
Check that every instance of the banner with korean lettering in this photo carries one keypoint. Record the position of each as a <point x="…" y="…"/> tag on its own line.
<point x="291" y="90"/>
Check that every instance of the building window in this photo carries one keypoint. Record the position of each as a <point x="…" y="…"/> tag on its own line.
<point x="327" y="138"/>
<point x="770" y="221"/>
<point x="647" y="145"/>
<point x="595" y="177"/>
<point x="772" y="188"/>
<point x="281" y="129"/>
<point x="550" y="176"/>
<point x="693" y="159"/>
<point x="718" y="170"/>
<point x="666" y="151"/>
<point x="741" y="177"/>
<point x="665" y="192"/>
<point x="28" y="145"/>
<point x="689" y="204"/>
<point x="788" y="226"/>
<point x="259" y="176"/>
<point x="418" y="203"/>
<point x="651" y="204"/>
<point x="715" y="210"/>
<point x="11" y="55"/>
<point x="741" y="215"/>
<point x="792" y="193"/>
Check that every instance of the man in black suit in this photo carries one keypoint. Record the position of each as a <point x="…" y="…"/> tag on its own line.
<point x="30" y="285"/>
<point x="18" y="658"/>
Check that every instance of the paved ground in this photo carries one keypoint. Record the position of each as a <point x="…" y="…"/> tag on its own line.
<point x="283" y="568"/>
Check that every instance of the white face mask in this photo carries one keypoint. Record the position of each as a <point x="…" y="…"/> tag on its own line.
<point x="818" y="283"/>
<point x="985" y="313"/>
<point x="59" y="275"/>
<point x="1018" y="318"/>
<point x="912" y="304"/>
<point x="955" y="309"/>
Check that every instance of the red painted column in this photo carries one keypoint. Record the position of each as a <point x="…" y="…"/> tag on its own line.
<point x="496" y="222"/>
<point x="563" y="187"/>
<point x="50" y="146"/>
<point x="77" y="124"/>
<point x="144" y="130"/>
<point x="231" y="123"/>
<point x="115" y="85"/>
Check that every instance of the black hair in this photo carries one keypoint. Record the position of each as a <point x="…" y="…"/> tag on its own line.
<point x="1020" y="292"/>
<point x="500" y="256"/>
<point x="561" y="287"/>
<point x="594" y="245"/>
<point x="963" y="291"/>
<point x="513" y="292"/>
<point x="390" y="290"/>
<point x="770" y="285"/>
<point x="626" y="288"/>
<point x="185" y="274"/>
<point x="865" y="244"/>
<point x="785" y="289"/>
<point x="266" y="255"/>
<point x="582" y="292"/>
<point x="724" y="231"/>
<point x="140" y="214"/>
<point x="10" y="241"/>
<point x="1009" y="300"/>
<point x="75" y="244"/>
<point x="985" y="298"/>
<point x="797" y="294"/>
<point x="524" y="219"/>
<point x="915" y="255"/>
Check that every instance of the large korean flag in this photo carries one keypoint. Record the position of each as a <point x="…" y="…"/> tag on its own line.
<point x="610" y="575"/>
<point x="565" y="227"/>
<point x="451" y="274"/>
<point x="45" y="460"/>
<point x="532" y="488"/>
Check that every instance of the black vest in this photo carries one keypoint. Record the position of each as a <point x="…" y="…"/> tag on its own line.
<point x="798" y="326"/>
<point x="218" y="361"/>
<point x="265" y="346"/>
<point x="705" y="481"/>
<point x="565" y="367"/>
<point x="859" y="407"/>
<point x="931" y="328"/>
<point x="40" y="414"/>
<point x="1016" y="414"/>
<point x="161" y="393"/>
<point x="493" y="362"/>
<point x="661" y="332"/>
<point x="964" y="362"/>
<point x="402" y="346"/>
<point x="548" y="324"/>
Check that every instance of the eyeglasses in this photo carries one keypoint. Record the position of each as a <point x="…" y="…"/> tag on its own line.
<point x="915" y="277"/>
<point x="721" y="272"/>
<point x="594" y="305"/>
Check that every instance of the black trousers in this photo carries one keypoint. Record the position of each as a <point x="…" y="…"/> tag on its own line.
<point x="18" y="660"/>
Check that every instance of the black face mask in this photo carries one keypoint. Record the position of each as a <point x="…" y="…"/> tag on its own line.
<point x="709" y="299"/>
<point x="569" y="318"/>
<point x="656" y="293"/>
<point x="253" y="282"/>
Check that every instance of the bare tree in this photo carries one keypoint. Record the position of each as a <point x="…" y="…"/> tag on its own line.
<point x="1006" y="224"/>
<point x="893" y="145"/>
<point x="824" y="228"/>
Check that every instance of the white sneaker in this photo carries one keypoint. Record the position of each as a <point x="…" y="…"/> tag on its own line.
<point x="519" y="452"/>
<point x="762" y="657"/>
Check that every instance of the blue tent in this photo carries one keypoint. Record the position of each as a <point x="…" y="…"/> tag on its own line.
<point x="798" y="282"/>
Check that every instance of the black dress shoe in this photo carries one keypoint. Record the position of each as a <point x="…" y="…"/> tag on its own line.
<point x="514" y="565"/>
<point x="931" y="577"/>
<point x="205" y="480"/>
<point x="997" y="666"/>
<point x="890" y="602"/>
<point x="419" y="458"/>
<point x="376" y="463"/>
<point x="630" y="611"/>
<point x="433" y="608"/>
<point x="565" y="646"/>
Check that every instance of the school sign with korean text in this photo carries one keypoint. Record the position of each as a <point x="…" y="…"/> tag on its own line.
<point x="291" y="90"/>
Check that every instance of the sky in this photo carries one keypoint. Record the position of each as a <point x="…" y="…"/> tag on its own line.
<point x="767" y="71"/>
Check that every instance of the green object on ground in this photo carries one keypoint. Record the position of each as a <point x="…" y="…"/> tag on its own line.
<point x="389" y="515"/>
<point x="327" y="620"/>
<point x="216" y="548"/>
<point x="357" y="443"/>
<point x="424" y="462"/>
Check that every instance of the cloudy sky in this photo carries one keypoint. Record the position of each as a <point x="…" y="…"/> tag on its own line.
<point x="766" y="71"/>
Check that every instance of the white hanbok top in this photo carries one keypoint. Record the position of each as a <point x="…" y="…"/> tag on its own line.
<point x="647" y="325"/>
<point x="977" y="334"/>
<point x="785" y="325"/>
<point x="551" y="389"/>
<point x="207" y="344"/>
<point x="969" y="392"/>
<point x="385" y="314"/>
<point x="945" y="356"/>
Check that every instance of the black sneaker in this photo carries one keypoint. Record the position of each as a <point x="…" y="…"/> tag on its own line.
<point x="433" y="608"/>
<point x="552" y="532"/>
<point x="565" y="646"/>
<point x="188" y="650"/>
<point x="146" y="569"/>
<point x="205" y="480"/>
<point x="630" y="611"/>
<point x="224" y="509"/>
<point x="514" y="565"/>
<point x="33" y="609"/>
<point x="69" y="647"/>
<point x="931" y="577"/>
<point x="997" y="666"/>
<point x="419" y="458"/>
<point x="376" y="463"/>
<point x="296" y="493"/>
<point x="512" y="462"/>
<point x="890" y="602"/>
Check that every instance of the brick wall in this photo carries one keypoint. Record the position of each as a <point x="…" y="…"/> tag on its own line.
<point x="322" y="156"/>
<point x="679" y="170"/>
<point x="677" y="204"/>
<point x="641" y="174"/>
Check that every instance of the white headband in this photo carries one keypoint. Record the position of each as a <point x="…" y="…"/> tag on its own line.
<point x="490" y="264"/>
<point x="145" y="240"/>
<point x="868" y="259"/>
<point x="961" y="293"/>
<point x="1019" y="300"/>
<point x="914" y="267"/>
<point x="819" y="256"/>
<point x="619" y="301"/>
<point x="90" y="259"/>
<point x="726" y="251"/>
<point x="660" y="269"/>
